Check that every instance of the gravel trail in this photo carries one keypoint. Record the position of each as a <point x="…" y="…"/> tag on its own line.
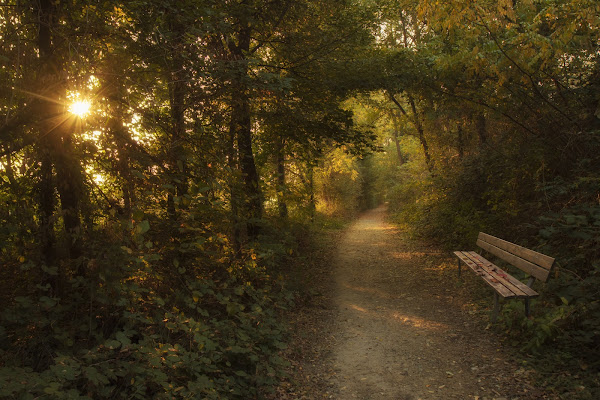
<point x="400" y="333"/>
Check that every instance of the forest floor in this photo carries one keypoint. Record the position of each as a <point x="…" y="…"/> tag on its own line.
<point x="385" y="317"/>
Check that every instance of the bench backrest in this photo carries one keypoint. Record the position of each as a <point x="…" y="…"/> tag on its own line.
<point x="535" y="264"/>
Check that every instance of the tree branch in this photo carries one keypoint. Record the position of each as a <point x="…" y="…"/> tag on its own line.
<point x="524" y="72"/>
<point x="396" y="102"/>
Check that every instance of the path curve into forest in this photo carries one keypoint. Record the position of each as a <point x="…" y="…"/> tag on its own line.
<point x="399" y="331"/>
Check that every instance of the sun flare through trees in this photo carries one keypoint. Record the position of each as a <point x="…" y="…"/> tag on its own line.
<point x="80" y="108"/>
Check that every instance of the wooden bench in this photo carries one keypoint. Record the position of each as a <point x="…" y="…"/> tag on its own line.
<point x="536" y="265"/>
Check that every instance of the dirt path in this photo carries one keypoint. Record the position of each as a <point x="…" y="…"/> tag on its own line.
<point x="400" y="333"/>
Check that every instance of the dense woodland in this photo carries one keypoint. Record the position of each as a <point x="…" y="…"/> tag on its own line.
<point x="161" y="160"/>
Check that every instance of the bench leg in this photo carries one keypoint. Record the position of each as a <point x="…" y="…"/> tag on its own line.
<point x="459" y="267"/>
<point x="496" y="308"/>
<point x="527" y="308"/>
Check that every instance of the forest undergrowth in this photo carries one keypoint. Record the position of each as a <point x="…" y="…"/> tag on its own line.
<point x="171" y="314"/>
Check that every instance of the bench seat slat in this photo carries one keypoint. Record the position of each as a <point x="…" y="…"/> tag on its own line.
<point x="519" y="286"/>
<point x="498" y="274"/>
<point x="487" y="277"/>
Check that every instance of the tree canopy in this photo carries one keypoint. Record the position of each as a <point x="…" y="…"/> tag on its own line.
<point x="143" y="229"/>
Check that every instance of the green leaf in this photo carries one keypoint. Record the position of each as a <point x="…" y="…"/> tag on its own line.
<point x="138" y="214"/>
<point x="52" y="388"/>
<point x="196" y="295"/>
<point x="232" y="308"/>
<point x="112" y="344"/>
<point x="95" y="376"/>
<point x="142" y="227"/>
<point x="50" y="270"/>
<point x="123" y="339"/>
<point x="47" y="301"/>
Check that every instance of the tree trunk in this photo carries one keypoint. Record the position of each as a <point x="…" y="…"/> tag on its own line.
<point x="241" y="125"/>
<point x="395" y="137"/>
<point x="121" y="137"/>
<point x="234" y="190"/>
<point x="460" y="141"/>
<point x="178" y="167"/>
<point x="177" y="151"/>
<point x="57" y="142"/>
<point x="252" y="202"/>
<point x="124" y="166"/>
<point x="480" y="125"/>
<point x="46" y="208"/>
<point x="46" y="186"/>
<point x="281" y="187"/>
<point x="416" y="118"/>
<point x="70" y="188"/>
<point x="177" y="87"/>
<point x="311" y="187"/>
<point x="421" y="132"/>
